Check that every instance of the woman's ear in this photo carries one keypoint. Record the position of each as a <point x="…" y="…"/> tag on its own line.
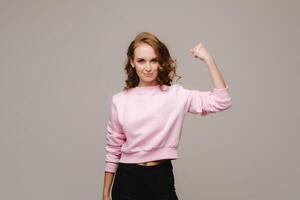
<point x="131" y="62"/>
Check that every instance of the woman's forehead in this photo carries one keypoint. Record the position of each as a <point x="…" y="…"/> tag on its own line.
<point x="144" y="52"/>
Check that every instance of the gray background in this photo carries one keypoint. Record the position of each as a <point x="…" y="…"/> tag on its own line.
<point x="60" y="62"/>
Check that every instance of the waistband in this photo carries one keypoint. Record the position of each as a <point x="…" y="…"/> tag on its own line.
<point x="141" y="168"/>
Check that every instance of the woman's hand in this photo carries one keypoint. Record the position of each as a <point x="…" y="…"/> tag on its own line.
<point x="200" y="52"/>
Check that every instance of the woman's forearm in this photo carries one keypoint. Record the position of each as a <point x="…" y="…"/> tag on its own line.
<point x="108" y="179"/>
<point x="216" y="76"/>
<point x="200" y="52"/>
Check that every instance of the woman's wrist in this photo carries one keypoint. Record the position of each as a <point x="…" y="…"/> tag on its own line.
<point x="209" y="61"/>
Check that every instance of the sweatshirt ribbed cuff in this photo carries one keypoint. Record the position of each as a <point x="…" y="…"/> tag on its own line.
<point x="110" y="167"/>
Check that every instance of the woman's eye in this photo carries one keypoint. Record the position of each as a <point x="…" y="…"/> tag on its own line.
<point x="140" y="61"/>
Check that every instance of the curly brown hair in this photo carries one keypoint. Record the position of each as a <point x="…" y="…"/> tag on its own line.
<point x="167" y="65"/>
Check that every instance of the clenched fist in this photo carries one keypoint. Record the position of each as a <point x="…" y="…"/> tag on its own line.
<point x="200" y="52"/>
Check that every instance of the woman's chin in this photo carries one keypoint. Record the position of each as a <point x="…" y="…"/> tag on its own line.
<point x="149" y="78"/>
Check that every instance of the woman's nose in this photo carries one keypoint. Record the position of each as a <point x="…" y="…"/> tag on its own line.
<point x="148" y="66"/>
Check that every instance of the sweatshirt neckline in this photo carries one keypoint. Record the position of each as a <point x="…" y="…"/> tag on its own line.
<point x="147" y="89"/>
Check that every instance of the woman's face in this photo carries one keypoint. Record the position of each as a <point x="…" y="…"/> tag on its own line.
<point x="146" y="64"/>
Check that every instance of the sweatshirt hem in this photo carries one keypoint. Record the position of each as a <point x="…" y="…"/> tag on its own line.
<point x="150" y="155"/>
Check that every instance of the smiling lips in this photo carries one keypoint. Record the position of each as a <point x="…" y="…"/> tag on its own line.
<point x="148" y="74"/>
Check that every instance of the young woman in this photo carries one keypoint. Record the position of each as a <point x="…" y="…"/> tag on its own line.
<point x="145" y="123"/>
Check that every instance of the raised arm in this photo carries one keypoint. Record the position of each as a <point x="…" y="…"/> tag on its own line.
<point x="205" y="102"/>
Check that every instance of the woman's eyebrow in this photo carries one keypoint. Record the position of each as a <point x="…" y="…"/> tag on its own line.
<point x="151" y="59"/>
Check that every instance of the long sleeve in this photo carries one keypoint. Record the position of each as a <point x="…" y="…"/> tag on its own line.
<point x="115" y="138"/>
<point x="205" y="102"/>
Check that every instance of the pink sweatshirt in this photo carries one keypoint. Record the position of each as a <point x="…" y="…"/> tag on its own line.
<point x="145" y="123"/>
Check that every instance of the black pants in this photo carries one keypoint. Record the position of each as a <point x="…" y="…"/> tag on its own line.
<point x="137" y="182"/>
